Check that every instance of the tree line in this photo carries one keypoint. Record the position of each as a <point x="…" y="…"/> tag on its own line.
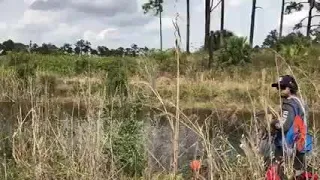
<point x="287" y="7"/>
<point x="79" y="48"/>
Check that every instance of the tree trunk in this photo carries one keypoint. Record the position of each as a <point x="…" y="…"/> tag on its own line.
<point x="160" y="14"/>
<point x="188" y="27"/>
<point x="207" y="24"/>
<point x="281" y="18"/>
<point x="222" y="24"/>
<point x="210" y="47"/>
<point x="253" y="15"/>
<point x="311" y="3"/>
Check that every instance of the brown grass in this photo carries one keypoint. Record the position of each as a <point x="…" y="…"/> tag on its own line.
<point x="48" y="143"/>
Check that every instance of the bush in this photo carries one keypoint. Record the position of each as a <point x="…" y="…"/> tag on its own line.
<point x="117" y="79"/>
<point x="23" y="64"/>
<point x="128" y="143"/>
<point x="82" y="65"/>
<point x="236" y="52"/>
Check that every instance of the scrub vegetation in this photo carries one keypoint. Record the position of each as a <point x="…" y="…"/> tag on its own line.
<point x="84" y="113"/>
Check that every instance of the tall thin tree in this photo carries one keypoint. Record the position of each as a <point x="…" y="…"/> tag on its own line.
<point x="157" y="7"/>
<point x="281" y="18"/>
<point x="188" y="27"/>
<point x="160" y="21"/>
<point x="311" y="6"/>
<point x="207" y="24"/>
<point x="253" y="16"/>
<point x="222" y="24"/>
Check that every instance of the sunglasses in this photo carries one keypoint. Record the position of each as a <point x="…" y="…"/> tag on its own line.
<point x="282" y="87"/>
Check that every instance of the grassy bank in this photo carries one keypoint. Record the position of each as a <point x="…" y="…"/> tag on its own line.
<point x="111" y="138"/>
<point x="231" y="86"/>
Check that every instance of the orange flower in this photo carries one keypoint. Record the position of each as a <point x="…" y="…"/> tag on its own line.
<point x="195" y="165"/>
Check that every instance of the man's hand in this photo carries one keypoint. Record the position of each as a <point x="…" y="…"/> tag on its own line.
<point x="276" y="124"/>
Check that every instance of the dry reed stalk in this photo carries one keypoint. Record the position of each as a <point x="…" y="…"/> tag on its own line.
<point x="177" y="118"/>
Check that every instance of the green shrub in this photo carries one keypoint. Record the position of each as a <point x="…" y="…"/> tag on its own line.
<point x="128" y="145"/>
<point x="82" y="65"/>
<point x="117" y="79"/>
<point x="23" y="64"/>
<point x="58" y="64"/>
<point x="236" y="52"/>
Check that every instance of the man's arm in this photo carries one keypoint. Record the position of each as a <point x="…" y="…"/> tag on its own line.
<point x="286" y="120"/>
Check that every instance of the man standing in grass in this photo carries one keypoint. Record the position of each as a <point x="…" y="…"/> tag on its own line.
<point x="292" y="137"/>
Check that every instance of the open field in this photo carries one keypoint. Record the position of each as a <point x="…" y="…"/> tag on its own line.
<point x="70" y="117"/>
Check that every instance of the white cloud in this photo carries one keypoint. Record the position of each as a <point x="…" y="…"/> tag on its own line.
<point x="64" y="31"/>
<point x="29" y="2"/>
<point x="154" y="25"/>
<point x="38" y="17"/>
<point x="110" y="32"/>
<point x="3" y="25"/>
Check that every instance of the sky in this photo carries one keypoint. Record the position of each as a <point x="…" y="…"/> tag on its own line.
<point x="115" y="23"/>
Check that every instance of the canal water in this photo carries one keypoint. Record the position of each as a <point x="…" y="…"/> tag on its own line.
<point x="220" y="125"/>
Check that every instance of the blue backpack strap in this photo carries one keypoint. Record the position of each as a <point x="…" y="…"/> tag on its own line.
<point x="279" y="134"/>
<point x="309" y="138"/>
<point x="290" y="134"/>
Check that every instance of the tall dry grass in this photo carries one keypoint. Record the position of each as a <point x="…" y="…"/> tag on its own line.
<point x="44" y="141"/>
<point x="219" y="161"/>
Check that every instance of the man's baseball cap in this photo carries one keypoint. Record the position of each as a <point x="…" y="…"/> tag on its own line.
<point x="286" y="81"/>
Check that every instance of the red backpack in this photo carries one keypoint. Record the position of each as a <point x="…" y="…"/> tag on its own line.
<point x="308" y="175"/>
<point x="272" y="172"/>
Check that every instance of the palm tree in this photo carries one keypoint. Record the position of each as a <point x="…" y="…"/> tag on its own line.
<point x="156" y="6"/>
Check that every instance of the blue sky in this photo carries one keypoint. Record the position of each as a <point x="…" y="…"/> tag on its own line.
<point x="115" y="23"/>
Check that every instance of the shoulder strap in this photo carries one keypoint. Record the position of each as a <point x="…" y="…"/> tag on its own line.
<point x="301" y="104"/>
<point x="295" y="110"/>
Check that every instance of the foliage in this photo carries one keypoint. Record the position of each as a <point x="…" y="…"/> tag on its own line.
<point x="23" y="64"/>
<point x="294" y="46"/>
<point x="236" y="52"/>
<point x="294" y="38"/>
<point x="8" y="45"/>
<point x="271" y="41"/>
<point x="165" y="60"/>
<point x="66" y="48"/>
<point x="82" y="65"/>
<point x="216" y="38"/>
<point x="293" y="6"/>
<point x="82" y="46"/>
<point x="298" y="6"/>
<point x="128" y="143"/>
<point x="153" y="5"/>
<point x="44" y="49"/>
<point x="117" y="78"/>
